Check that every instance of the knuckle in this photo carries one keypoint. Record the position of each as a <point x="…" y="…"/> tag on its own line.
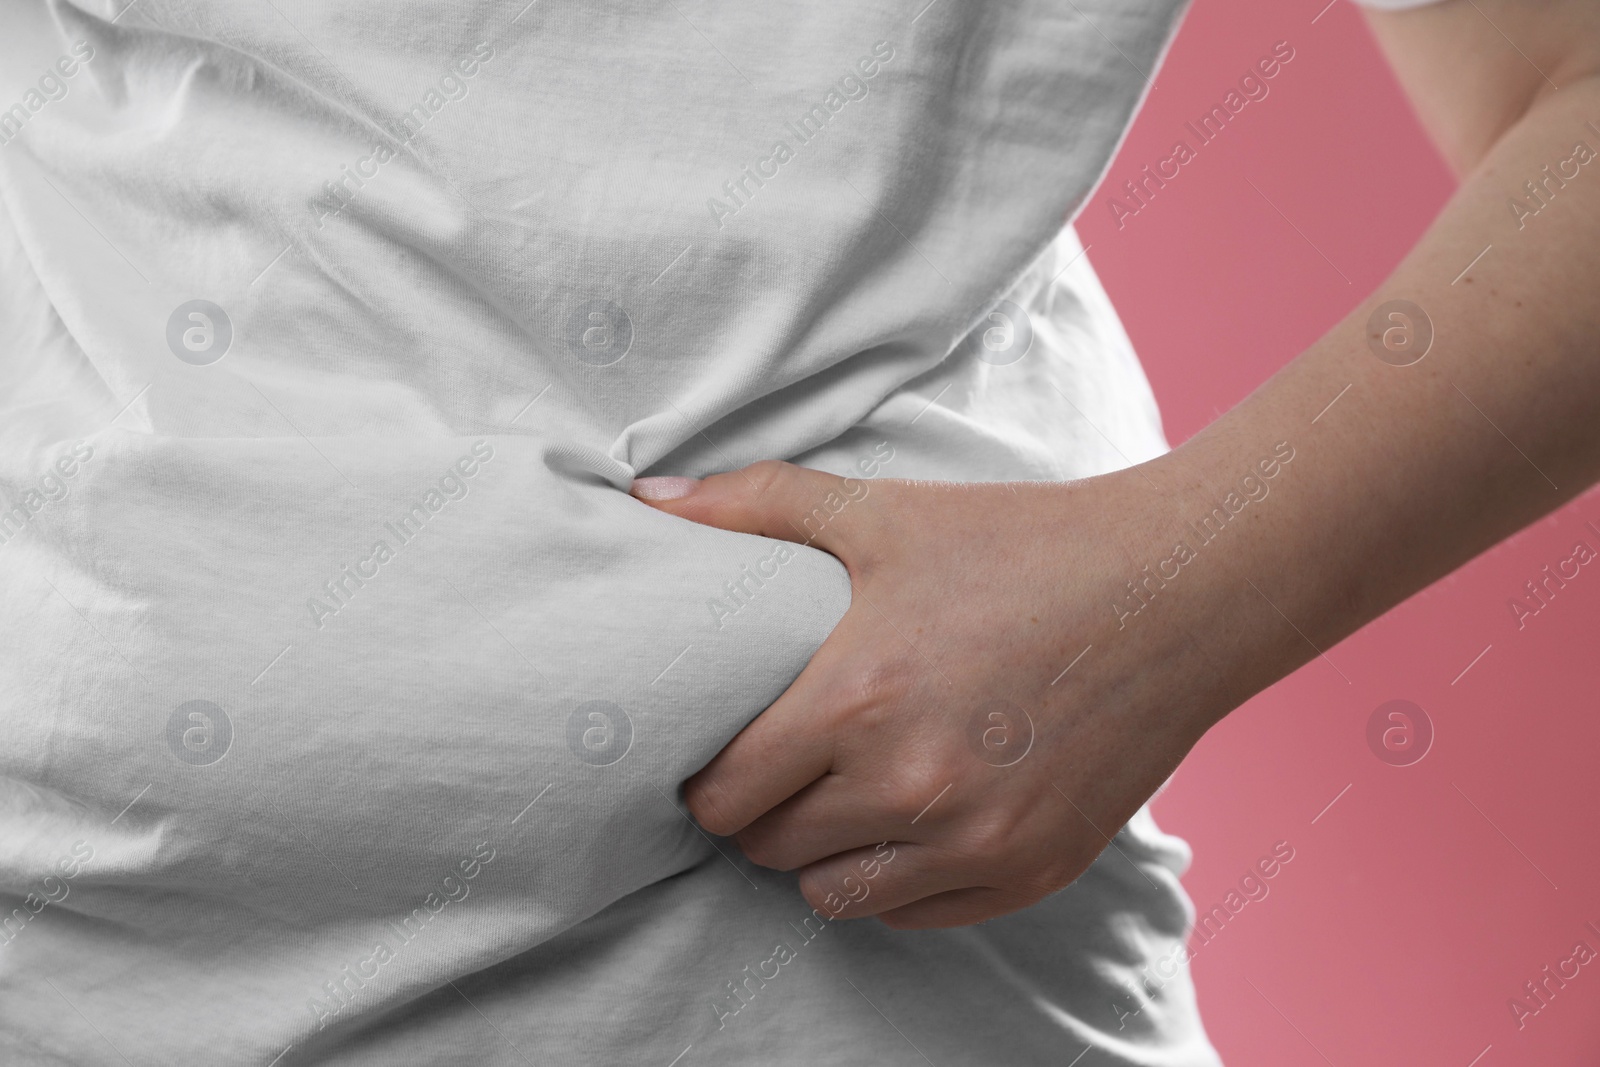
<point x="1045" y="870"/>
<point x="902" y="804"/>
<point x="816" y="891"/>
<point x="710" y="807"/>
<point x="988" y="853"/>
<point x="997" y="843"/>
<point x="764" y="849"/>
<point x="830" y="889"/>
<point x="883" y="679"/>
<point x="915" y="794"/>
<point x="1035" y="881"/>
<point x="768" y="474"/>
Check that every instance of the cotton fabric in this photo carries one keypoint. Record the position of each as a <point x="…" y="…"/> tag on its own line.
<point x="348" y="696"/>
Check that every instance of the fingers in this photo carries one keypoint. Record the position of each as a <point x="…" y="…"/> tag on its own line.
<point x="785" y="749"/>
<point x="781" y="752"/>
<point x="759" y="769"/>
<point x="771" y="499"/>
<point x="832" y="815"/>
<point x="940" y="879"/>
<point x="882" y="878"/>
<point x="912" y="887"/>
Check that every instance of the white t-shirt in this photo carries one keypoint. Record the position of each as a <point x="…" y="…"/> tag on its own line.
<point x="347" y="694"/>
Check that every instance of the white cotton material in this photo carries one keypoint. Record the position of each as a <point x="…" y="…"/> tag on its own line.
<point x="347" y="695"/>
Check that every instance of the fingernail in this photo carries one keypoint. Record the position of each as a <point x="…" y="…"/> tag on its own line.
<point x="662" y="488"/>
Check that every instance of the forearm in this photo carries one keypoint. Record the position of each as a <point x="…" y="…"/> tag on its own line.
<point x="1023" y="664"/>
<point x="1414" y="469"/>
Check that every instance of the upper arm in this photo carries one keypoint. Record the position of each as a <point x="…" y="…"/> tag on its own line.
<point x="1473" y="68"/>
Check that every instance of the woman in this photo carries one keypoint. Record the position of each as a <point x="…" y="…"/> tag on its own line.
<point x="350" y="693"/>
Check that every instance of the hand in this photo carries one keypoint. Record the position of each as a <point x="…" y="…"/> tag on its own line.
<point x="936" y="716"/>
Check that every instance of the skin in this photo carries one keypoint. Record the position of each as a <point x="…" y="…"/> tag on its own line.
<point x="964" y="595"/>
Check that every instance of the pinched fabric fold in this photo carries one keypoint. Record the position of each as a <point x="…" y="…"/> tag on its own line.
<point x="347" y="694"/>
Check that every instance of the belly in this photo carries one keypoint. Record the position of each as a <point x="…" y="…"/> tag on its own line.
<point x="335" y="724"/>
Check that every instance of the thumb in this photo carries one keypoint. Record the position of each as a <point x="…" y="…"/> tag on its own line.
<point x="770" y="498"/>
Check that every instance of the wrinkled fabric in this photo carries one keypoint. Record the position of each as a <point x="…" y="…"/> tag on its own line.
<point x="347" y="694"/>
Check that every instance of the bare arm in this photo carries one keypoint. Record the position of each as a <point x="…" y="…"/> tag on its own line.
<point x="1355" y="476"/>
<point x="1419" y="468"/>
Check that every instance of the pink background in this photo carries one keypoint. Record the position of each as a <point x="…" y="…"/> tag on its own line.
<point x="1420" y="902"/>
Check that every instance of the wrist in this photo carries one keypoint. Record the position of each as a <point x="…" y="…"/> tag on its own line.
<point x="1209" y="547"/>
<point x="1134" y="599"/>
